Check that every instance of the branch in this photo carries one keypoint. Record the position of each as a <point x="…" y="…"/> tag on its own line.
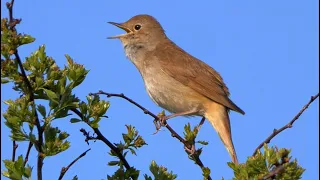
<point x="14" y="148"/>
<point x="189" y="148"/>
<point x="65" y="169"/>
<point x="146" y="111"/>
<point x="274" y="172"/>
<point x="27" y="154"/>
<point x="101" y="137"/>
<point x="289" y="125"/>
<point x="13" y="22"/>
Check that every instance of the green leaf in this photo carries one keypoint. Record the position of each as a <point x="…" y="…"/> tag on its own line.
<point x="113" y="163"/>
<point x="54" y="141"/>
<point x="63" y="136"/>
<point x="16" y="169"/>
<point x="146" y="177"/>
<point x="51" y="95"/>
<point x="61" y="113"/>
<point x="42" y="110"/>
<point x="206" y="172"/>
<point x="122" y="174"/>
<point x="203" y="142"/>
<point x="160" y="172"/>
<point x="94" y="125"/>
<point x="83" y="107"/>
<point x="132" y="151"/>
<point x="26" y="39"/>
<point x="258" y="166"/>
<point x="75" y="120"/>
<point x="139" y="142"/>
<point x="4" y="81"/>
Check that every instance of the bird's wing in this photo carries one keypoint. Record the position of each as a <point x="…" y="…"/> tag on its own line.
<point x="195" y="74"/>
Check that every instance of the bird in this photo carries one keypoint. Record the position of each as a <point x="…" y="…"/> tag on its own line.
<point x="176" y="80"/>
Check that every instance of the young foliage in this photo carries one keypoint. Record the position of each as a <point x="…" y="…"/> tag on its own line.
<point x="271" y="160"/>
<point x="159" y="172"/>
<point x="132" y="141"/>
<point x="16" y="169"/>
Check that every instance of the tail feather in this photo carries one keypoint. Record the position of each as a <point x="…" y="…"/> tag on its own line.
<point x="219" y="118"/>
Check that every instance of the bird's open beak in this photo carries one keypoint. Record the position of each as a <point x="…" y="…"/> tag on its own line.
<point x="122" y="27"/>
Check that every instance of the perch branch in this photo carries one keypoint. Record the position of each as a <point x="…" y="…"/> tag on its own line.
<point x="189" y="148"/>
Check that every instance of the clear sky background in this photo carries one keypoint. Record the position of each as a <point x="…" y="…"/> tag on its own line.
<point x="266" y="51"/>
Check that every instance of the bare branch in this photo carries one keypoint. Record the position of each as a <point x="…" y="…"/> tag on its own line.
<point x="289" y="125"/>
<point x="274" y="172"/>
<point x="190" y="149"/>
<point x="14" y="148"/>
<point x="65" y="169"/>
<point x="27" y="154"/>
<point x="101" y="137"/>
<point x="146" y="111"/>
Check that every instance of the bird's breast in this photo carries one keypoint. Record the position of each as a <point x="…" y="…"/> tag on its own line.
<point x="163" y="89"/>
<point x="171" y="94"/>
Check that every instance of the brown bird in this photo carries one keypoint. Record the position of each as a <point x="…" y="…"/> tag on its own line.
<point x="174" y="79"/>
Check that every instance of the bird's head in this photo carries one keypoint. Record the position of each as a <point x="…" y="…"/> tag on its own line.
<point x="140" y="29"/>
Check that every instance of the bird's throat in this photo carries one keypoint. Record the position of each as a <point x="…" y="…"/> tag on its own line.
<point x="134" y="52"/>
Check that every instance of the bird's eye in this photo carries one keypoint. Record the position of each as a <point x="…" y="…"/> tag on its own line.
<point x="137" y="27"/>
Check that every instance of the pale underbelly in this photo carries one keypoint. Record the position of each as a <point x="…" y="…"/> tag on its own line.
<point x="174" y="96"/>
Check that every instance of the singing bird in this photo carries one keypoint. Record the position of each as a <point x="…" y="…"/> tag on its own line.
<point x="174" y="79"/>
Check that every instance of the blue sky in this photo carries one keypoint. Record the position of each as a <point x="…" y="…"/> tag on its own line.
<point x="266" y="51"/>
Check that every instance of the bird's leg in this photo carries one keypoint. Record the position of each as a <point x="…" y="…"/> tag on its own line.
<point x="201" y="122"/>
<point x="164" y="118"/>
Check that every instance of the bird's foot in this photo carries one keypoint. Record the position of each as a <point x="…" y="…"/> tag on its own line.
<point x="160" y="121"/>
<point x="162" y="118"/>
<point x="158" y="126"/>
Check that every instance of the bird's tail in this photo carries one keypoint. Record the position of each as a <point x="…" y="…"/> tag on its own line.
<point x="219" y="118"/>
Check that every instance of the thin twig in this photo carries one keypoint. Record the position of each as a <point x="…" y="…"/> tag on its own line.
<point x="289" y="125"/>
<point x="28" y="152"/>
<point x="14" y="148"/>
<point x="65" y="169"/>
<point x="189" y="148"/>
<point x="274" y="172"/>
<point x="10" y="8"/>
<point x="101" y="137"/>
<point x="12" y="23"/>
